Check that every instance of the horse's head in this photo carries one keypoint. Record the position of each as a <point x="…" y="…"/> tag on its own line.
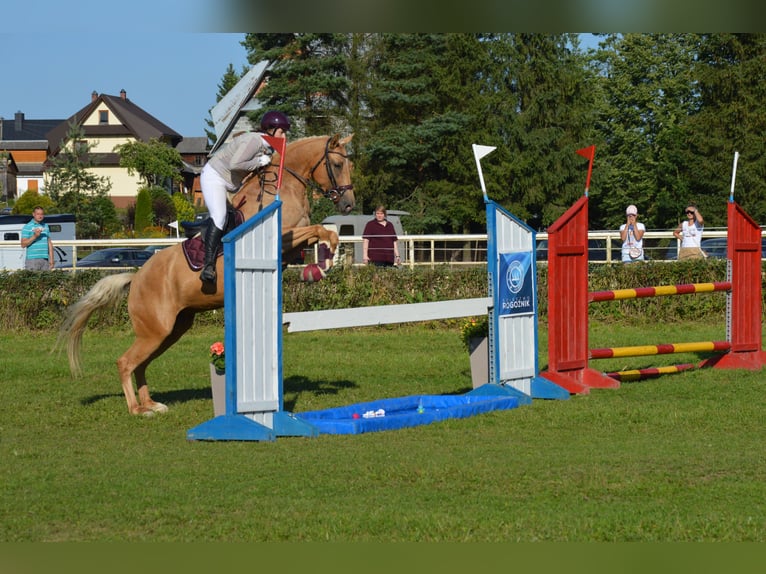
<point x="330" y="175"/>
<point x="318" y="164"/>
<point x="333" y="174"/>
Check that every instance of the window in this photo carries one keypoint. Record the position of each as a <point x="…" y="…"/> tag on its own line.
<point x="10" y="236"/>
<point x="103" y="117"/>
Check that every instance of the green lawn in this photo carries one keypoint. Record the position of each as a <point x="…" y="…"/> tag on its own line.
<point x="678" y="458"/>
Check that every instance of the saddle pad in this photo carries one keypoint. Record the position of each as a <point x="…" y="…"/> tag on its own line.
<point x="194" y="247"/>
<point x="194" y="251"/>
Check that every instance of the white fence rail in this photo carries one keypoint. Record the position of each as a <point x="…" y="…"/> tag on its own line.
<point x="432" y="250"/>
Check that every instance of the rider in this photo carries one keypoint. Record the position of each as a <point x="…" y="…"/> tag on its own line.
<point x="245" y="153"/>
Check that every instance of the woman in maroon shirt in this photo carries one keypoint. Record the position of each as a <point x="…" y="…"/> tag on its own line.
<point x="379" y="241"/>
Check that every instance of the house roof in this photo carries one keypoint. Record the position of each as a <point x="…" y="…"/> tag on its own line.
<point x="134" y="122"/>
<point x="31" y="132"/>
<point x="193" y="145"/>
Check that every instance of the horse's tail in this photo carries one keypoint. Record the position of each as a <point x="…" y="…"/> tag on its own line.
<point x="108" y="292"/>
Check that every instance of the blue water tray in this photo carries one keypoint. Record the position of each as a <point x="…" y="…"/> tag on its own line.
<point x="403" y="412"/>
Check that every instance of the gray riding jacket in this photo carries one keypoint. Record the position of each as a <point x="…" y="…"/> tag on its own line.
<point x="240" y="156"/>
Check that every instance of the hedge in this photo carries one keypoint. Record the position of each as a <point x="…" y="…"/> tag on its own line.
<point x="38" y="300"/>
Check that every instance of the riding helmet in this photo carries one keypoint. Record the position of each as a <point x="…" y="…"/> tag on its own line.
<point x="274" y="119"/>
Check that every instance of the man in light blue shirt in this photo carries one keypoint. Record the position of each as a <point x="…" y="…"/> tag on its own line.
<point x="36" y="238"/>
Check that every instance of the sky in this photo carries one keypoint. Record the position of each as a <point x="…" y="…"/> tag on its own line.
<point x="60" y="55"/>
<point x="170" y="55"/>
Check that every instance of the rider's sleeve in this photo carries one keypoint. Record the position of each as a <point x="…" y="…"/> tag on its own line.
<point x="249" y="150"/>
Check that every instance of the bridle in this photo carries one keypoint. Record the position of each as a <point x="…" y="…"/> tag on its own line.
<point x="336" y="191"/>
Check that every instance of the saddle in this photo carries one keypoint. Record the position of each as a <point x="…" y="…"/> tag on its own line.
<point x="194" y="246"/>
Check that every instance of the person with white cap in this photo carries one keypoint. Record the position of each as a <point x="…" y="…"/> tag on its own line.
<point x="632" y="236"/>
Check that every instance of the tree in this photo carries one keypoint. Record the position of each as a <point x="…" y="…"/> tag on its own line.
<point x="730" y="118"/>
<point x="156" y="162"/>
<point x="143" y="215"/>
<point x="31" y="199"/>
<point x="308" y="79"/>
<point x="77" y="190"/>
<point x="647" y="90"/>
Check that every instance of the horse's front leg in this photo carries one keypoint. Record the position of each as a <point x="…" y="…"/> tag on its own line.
<point x="298" y="237"/>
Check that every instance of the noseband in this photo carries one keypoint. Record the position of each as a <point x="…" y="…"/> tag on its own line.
<point x="336" y="191"/>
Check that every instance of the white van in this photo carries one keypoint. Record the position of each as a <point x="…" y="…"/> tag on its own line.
<point x="353" y="225"/>
<point x="62" y="227"/>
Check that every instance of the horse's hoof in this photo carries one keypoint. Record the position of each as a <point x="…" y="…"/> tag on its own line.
<point x="157" y="408"/>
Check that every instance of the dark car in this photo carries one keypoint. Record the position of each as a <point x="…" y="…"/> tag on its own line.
<point x="113" y="257"/>
<point x="596" y="250"/>
<point x="715" y="247"/>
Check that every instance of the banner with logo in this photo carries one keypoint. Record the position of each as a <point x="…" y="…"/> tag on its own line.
<point x="516" y="284"/>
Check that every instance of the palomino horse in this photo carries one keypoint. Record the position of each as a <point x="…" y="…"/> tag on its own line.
<point x="165" y="294"/>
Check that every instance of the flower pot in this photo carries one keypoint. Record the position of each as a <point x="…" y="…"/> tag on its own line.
<point x="218" y="384"/>
<point x="478" y="348"/>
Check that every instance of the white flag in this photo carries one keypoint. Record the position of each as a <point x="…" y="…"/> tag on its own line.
<point x="479" y="151"/>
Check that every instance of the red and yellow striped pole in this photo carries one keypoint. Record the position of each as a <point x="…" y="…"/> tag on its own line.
<point x="639" y="374"/>
<point x="658" y="291"/>
<point x="667" y="349"/>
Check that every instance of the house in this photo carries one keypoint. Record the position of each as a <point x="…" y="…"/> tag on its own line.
<point x="109" y="121"/>
<point x="23" y="150"/>
<point x="194" y="153"/>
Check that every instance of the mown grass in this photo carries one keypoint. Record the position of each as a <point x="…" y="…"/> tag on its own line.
<point x="679" y="458"/>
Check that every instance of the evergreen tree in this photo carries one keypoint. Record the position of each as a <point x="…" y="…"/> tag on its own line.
<point x="143" y="215"/>
<point x="647" y="91"/>
<point x="544" y="114"/>
<point x="308" y="79"/>
<point x="731" y="118"/>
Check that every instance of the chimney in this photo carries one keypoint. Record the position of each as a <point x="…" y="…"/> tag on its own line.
<point x="123" y="94"/>
<point x="93" y="96"/>
<point x="19" y="121"/>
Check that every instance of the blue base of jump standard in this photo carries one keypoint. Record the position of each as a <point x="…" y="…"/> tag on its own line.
<point x="540" y="388"/>
<point x="239" y="427"/>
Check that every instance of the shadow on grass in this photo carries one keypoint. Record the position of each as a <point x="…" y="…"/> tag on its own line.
<point x="295" y="386"/>
<point x="166" y="397"/>
<point x="292" y="386"/>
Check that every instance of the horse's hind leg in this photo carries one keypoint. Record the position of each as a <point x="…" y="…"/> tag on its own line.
<point x="183" y="323"/>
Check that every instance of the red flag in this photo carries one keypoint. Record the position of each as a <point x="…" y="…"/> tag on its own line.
<point x="279" y="145"/>
<point x="588" y="153"/>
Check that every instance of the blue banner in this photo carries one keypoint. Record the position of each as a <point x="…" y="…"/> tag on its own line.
<point x="516" y="284"/>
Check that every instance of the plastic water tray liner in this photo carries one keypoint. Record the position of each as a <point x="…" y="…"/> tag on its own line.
<point x="391" y="414"/>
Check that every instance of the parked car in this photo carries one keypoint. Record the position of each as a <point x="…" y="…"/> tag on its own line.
<point x="112" y="257"/>
<point x="155" y="248"/>
<point x="596" y="250"/>
<point x="714" y="247"/>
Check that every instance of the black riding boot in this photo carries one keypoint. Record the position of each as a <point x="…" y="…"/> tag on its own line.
<point x="212" y="241"/>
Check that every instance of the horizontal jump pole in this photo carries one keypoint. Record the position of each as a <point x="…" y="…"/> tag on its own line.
<point x="640" y="374"/>
<point x="663" y="290"/>
<point x="643" y="350"/>
<point x="385" y="314"/>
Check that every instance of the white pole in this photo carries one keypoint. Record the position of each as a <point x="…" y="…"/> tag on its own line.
<point x="733" y="175"/>
<point x="479" y="151"/>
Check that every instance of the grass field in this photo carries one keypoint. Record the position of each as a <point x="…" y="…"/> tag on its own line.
<point x="679" y="458"/>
